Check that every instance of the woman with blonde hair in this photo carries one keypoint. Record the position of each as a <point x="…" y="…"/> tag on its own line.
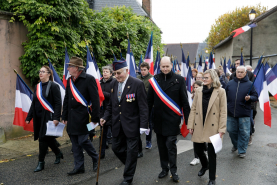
<point x="208" y="117"/>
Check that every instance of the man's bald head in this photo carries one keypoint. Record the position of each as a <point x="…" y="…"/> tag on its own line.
<point x="165" y="65"/>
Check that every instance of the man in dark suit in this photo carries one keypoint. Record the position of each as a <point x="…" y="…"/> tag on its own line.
<point x="166" y="121"/>
<point x="76" y="116"/>
<point x="129" y="112"/>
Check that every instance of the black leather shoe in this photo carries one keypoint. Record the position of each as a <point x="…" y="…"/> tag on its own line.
<point x="58" y="158"/>
<point x="211" y="182"/>
<point x="140" y="154"/>
<point x="125" y="183"/>
<point x="163" y="174"/>
<point x="40" y="167"/>
<point x="175" y="177"/>
<point x="75" y="171"/>
<point x="202" y="171"/>
<point x="95" y="166"/>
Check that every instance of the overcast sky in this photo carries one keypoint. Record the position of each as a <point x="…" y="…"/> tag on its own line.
<point x="189" y="21"/>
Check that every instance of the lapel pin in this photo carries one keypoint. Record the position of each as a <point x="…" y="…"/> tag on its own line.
<point x="128" y="87"/>
<point x="112" y="90"/>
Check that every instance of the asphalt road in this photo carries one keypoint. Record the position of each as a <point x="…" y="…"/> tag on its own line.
<point x="258" y="167"/>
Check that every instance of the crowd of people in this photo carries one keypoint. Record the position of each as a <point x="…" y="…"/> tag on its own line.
<point x="134" y="106"/>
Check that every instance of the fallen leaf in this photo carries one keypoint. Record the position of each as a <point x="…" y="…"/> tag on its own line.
<point x="156" y="181"/>
<point x="28" y="155"/>
<point x="223" y="179"/>
<point x="187" y="181"/>
<point x="116" y="168"/>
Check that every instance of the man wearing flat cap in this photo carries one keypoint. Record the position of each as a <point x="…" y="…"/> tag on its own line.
<point x="129" y="113"/>
<point x="80" y="90"/>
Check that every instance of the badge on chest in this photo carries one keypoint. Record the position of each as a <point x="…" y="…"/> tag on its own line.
<point x="130" y="97"/>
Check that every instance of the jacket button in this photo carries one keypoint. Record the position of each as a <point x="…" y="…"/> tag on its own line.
<point x="119" y="105"/>
<point x="118" y="120"/>
<point x="214" y="113"/>
<point x="72" y="98"/>
<point x="195" y="123"/>
<point x="196" y="113"/>
<point x="212" y="124"/>
<point x="120" y="113"/>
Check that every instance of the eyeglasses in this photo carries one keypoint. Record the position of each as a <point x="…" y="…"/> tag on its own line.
<point x="117" y="73"/>
<point x="42" y="72"/>
<point x="106" y="71"/>
<point x="205" y="78"/>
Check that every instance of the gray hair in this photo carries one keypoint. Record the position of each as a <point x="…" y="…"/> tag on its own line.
<point x="243" y="67"/>
<point x="80" y="68"/>
<point x="107" y="68"/>
<point x="248" y="66"/>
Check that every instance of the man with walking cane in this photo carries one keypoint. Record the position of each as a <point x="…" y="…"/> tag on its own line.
<point x="129" y="112"/>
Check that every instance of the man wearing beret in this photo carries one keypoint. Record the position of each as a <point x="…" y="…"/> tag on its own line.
<point x="80" y="90"/>
<point x="129" y="112"/>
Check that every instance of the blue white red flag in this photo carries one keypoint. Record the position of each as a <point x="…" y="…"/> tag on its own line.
<point x="57" y="80"/>
<point x="244" y="29"/>
<point x="200" y="68"/>
<point x="267" y="68"/>
<point x="205" y="66"/>
<point x="66" y="74"/>
<point x="189" y="86"/>
<point x="177" y="66"/>
<point x="271" y="79"/>
<point x="45" y="104"/>
<point x="262" y="90"/>
<point x="149" y="55"/>
<point x="258" y="66"/>
<point x="164" y="97"/>
<point x="23" y="102"/>
<point x="91" y="69"/>
<point x="229" y="64"/>
<point x="157" y="64"/>
<point x="184" y="70"/>
<point x="241" y="59"/>
<point x="211" y="61"/>
<point x="130" y="62"/>
<point x="224" y="66"/>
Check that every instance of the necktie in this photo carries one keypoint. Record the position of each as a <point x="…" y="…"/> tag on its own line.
<point x="119" y="92"/>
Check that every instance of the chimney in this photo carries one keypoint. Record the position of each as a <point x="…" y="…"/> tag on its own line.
<point x="147" y="6"/>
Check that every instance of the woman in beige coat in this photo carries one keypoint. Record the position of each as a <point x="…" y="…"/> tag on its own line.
<point x="208" y="117"/>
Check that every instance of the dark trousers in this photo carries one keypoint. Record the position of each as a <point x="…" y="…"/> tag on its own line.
<point x="211" y="164"/>
<point x="80" y="142"/>
<point x="205" y="149"/>
<point x="126" y="150"/>
<point x="168" y="152"/>
<point x="44" y="143"/>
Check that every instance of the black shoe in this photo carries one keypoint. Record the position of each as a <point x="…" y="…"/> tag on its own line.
<point x="125" y="183"/>
<point x="140" y="154"/>
<point x="58" y="158"/>
<point x="102" y="156"/>
<point x="211" y="182"/>
<point x="40" y="166"/>
<point x="107" y="146"/>
<point x="175" y="177"/>
<point x="95" y="166"/>
<point x="202" y="171"/>
<point x="163" y="174"/>
<point x="75" y="171"/>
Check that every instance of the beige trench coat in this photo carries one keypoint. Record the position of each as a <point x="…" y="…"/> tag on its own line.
<point x="216" y="116"/>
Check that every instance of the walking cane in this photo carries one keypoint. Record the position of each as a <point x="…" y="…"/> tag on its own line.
<point x="99" y="156"/>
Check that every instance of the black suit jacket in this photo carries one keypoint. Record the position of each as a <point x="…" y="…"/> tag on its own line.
<point x="75" y="113"/>
<point x="130" y="116"/>
<point x="166" y="122"/>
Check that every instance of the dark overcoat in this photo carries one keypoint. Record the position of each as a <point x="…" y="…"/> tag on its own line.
<point x="131" y="116"/>
<point x="166" y="122"/>
<point x="75" y="113"/>
<point x="106" y="88"/>
<point x="54" y="98"/>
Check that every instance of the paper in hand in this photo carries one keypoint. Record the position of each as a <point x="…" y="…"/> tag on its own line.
<point x="217" y="142"/>
<point x="91" y="126"/>
<point x="53" y="130"/>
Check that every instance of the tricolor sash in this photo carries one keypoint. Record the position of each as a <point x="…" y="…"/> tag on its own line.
<point x="164" y="97"/>
<point x="77" y="95"/>
<point x="45" y="104"/>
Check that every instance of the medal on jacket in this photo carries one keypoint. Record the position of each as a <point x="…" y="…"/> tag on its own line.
<point x="130" y="98"/>
<point x="45" y="104"/>
<point x="134" y="97"/>
<point x="127" y="100"/>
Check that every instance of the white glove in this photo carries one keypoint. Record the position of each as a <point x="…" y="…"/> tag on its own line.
<point x="144" y="130"/>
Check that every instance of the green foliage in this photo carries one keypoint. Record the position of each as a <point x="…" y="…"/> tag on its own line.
<point x="51" y="23"/>
<point x="230" y="21"/>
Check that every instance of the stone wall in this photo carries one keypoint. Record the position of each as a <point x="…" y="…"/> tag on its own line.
<point x="222" y="51"/>
<point x="12" y="35"/>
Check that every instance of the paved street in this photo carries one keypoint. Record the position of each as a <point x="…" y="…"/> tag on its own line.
<point x="259" y="166"/>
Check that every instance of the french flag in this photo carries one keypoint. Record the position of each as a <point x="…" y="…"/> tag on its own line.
<point x="244" y="29"/>
<point x="207" y="61"/>
<point x="189" y="86"/>
<point x="267" y="68"/>
<point x="66" y="74"/>
<point x="177" y="66"/>
<point x="130" y="61"/>
<point x="184" y="70"/>
<point x="271" y="79"/>
<point x="96" y="67"/>
<point x="262" y="90"/>
<point x="258" y="66"/>
<point x="211" y="61"/>
<point x="200" y="68"/>
<point x="149" y="55"/>
<point x="23" y="102"/>
<point x="157" y="64"/>
<point x="57" y="80"/>
<point x="91" y="69"/>
<point x="241" y="59"/>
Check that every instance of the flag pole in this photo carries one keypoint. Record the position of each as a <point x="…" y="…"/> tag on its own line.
<point x="22" y="80"/>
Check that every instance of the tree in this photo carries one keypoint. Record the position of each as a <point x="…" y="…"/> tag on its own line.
<point x="230" y="21"/>
<point x="52" y="23"/>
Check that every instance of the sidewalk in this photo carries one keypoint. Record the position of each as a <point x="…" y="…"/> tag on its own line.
<point x="26" y="146"/>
